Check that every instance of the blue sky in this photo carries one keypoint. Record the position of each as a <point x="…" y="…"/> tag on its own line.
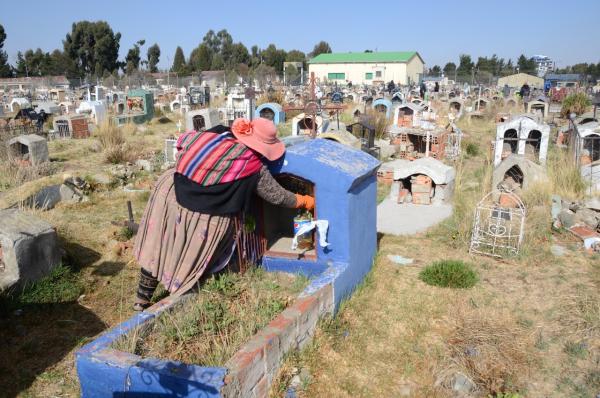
<point x="439" y="30"/>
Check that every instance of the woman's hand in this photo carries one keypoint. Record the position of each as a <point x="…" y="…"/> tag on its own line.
<point x="305" y="201"/>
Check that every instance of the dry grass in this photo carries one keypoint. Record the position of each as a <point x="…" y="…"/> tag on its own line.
<point x="492" y="349"/>
<point x="110" y="135"/>
<point x="112" y="139"/>
<point x="565" y="177"/>
<point x="379" y="121"/>
<point x="13" y="175"/>
<point x="276" y="96"/>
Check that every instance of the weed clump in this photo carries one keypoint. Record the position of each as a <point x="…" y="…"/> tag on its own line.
<point x="472" y="149"/>
<point x="575" y="103"/>
<point x="112" y="141"/>
<point x="455" y="274"/>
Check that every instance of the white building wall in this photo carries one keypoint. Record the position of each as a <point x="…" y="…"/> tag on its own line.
<point x="356" y="72"/>
<point x="414" y="70"/>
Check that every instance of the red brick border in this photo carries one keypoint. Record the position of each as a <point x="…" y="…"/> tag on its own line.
<point x="253" y="367"/>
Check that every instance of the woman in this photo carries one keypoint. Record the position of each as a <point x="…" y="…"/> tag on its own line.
<point x="188" y="224"/>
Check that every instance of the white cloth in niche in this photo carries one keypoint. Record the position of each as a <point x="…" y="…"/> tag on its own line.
<point x="322" y="227"/>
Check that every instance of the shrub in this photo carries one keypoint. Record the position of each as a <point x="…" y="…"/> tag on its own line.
<point x="115" y="154"/>
<point x="110" y="135"/>
<point x="273" y="96"/>
<point x="449" y="273"/>
<point x="575" y="103"/>
<point x="472" y="149"/>
<point x="379" y="121"/>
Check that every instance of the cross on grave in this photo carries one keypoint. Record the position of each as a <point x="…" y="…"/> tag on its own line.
<point x="313" y="107"/>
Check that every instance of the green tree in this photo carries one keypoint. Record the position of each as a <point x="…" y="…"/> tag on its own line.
<point x="133" y="58"/>
<point x="225" y="48"/>
<point x="295" y="56"/>
<point x="526" y="65"/>
<point x="239" y="55"/>
<point x="218" y="63"/>
<point x="254" y="56"/>
<point x="581" y="68"/>
<point x="33" y="63"/>
<point x="201" y="58"/>
<point x="92" y="46"/>
<point x="508" y="68"/>
<point x="153" y="55"/>
<point x="178" y="61"/>
<point x="435" y="70"/>
<point x="61" y="64"/>
<point x="5" y="70"/>
<point x="465" y="65"/>
<point x="450" y="69"/>
<point x="321" y="47"/>
<point x="274" y="57"/>
<point x="231" y="78"/>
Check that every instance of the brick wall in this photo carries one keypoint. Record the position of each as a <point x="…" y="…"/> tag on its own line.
<point x="253" y="368"/>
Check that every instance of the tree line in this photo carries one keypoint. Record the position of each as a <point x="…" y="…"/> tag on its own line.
<point x="487" y="67"/>
<point x="91" y="49"/>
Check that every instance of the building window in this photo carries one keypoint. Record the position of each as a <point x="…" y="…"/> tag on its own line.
<point x="378" y="73"/>
<point x="336" y="76"/>
<point x="369" y="76"/>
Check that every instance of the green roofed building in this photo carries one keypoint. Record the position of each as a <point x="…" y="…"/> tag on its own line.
<point x="403" y="67"/>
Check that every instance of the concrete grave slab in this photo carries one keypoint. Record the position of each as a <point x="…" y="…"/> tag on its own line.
<point x="409" y="219"/>
<point x="31" y="146"/>
<point x="29" y="248"/>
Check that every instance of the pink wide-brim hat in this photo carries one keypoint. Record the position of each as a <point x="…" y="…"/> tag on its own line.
<point x="260" y="135"/>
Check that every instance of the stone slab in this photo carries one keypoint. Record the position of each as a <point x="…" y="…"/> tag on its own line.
<point x="409" y="218"/>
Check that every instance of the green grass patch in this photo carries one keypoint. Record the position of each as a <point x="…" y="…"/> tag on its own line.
<point x="577" y="350"/>
<point x="472" y="149"/>
<point x="449" y="273"/>
<point x="63" y="285"/>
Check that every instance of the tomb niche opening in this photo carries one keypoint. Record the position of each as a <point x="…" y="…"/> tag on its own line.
<point x="267" y="113"/>
<point x="510" y="142"/>
<point x="417" y="189"/>
<point x="381" y="108"/>
<point x="532" y="144"/>
<point x="306" y="124"/>
<point x="513" y="178"/>
<point x="591" y="149"/>
<point x="455" y="106"/>
<point x="405" y="116"/>
<point x="278" y="221"/>
<point x="199" y="123"/>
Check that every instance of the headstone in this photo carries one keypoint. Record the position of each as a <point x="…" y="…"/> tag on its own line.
<point x="29" y="248"/>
